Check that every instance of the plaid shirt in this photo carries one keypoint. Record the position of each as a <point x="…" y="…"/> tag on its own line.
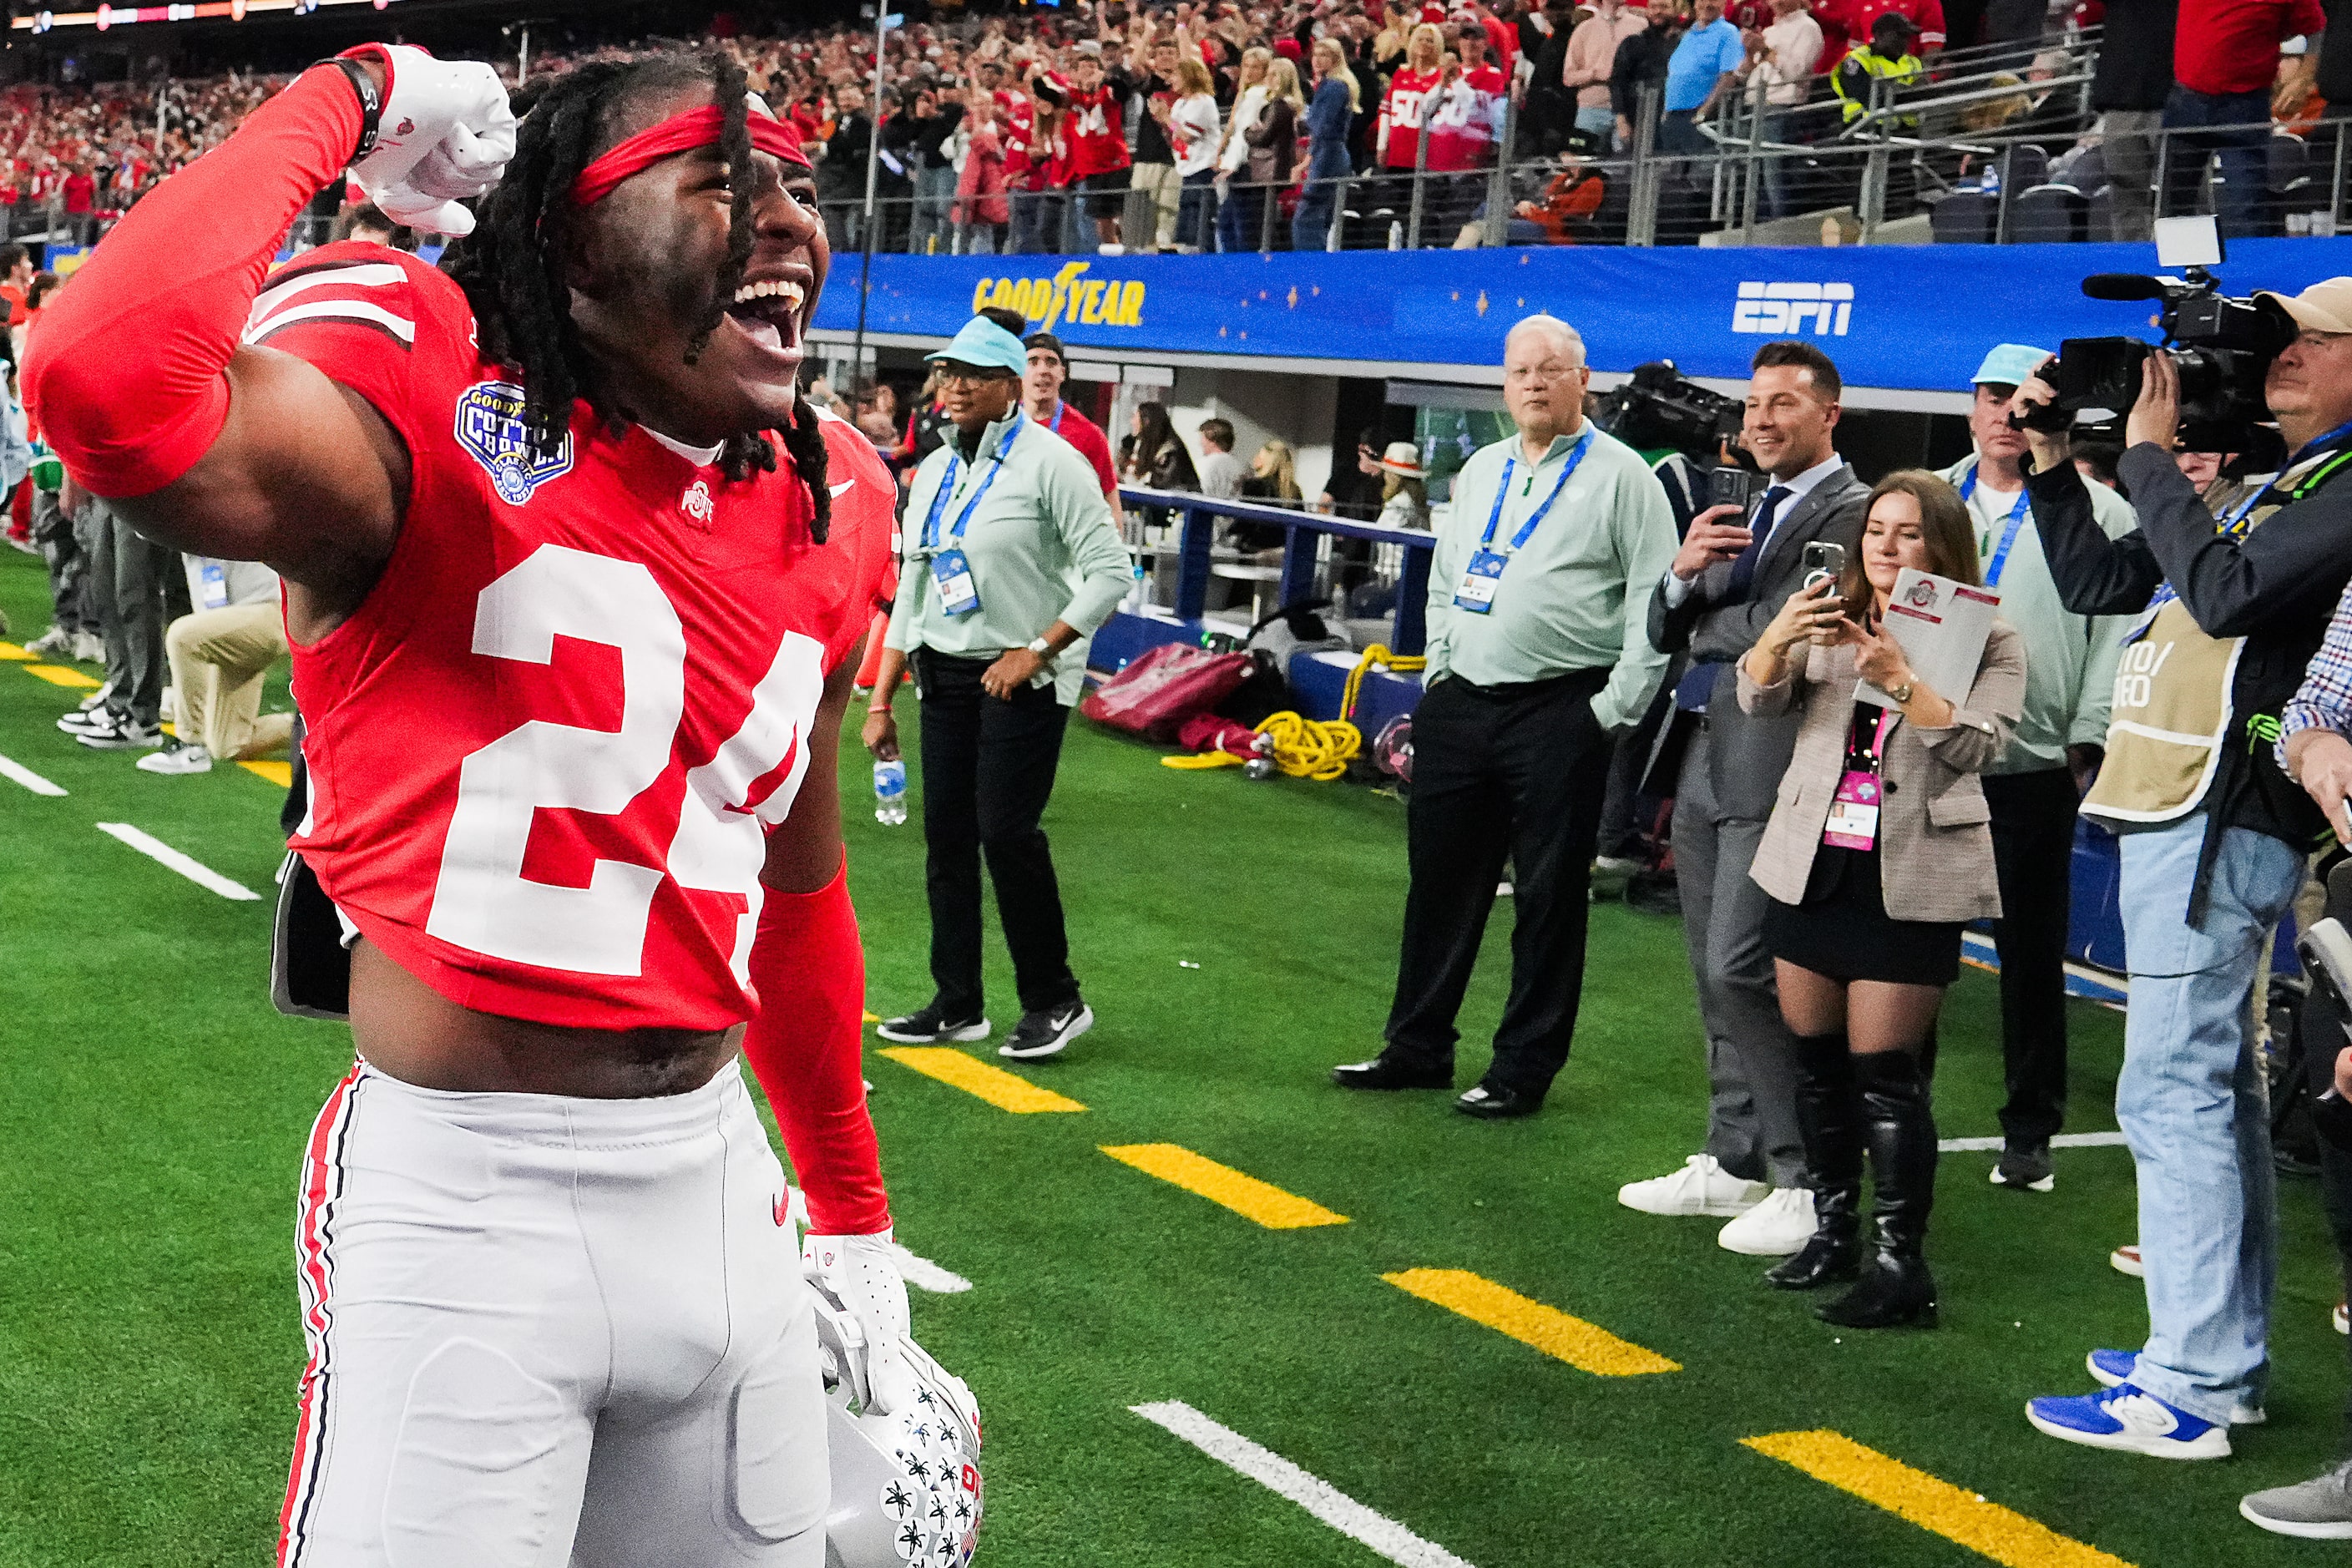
<point x="2325" y="698"/>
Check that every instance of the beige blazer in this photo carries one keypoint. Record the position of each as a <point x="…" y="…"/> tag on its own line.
<point x="1935" y="845"/>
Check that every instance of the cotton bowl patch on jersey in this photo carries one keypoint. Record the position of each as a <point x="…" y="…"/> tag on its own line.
<point x="490" y="429"/>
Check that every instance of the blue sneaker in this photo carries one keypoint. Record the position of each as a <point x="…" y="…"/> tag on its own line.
<point x="2113" y="1368"/>
<point x="2127" y="1418"/>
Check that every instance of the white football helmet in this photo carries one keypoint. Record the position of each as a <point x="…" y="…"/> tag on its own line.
<point x="907" y="1489"/>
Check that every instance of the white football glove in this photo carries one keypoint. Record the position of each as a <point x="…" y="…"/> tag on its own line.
<point x="444" y="137"/>
<point x="859" y="1275"/>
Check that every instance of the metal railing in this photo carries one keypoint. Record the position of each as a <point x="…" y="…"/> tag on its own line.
<point x="1314" y="560"/>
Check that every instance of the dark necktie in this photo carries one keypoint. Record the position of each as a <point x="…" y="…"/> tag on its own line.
<point x="1743" y="570"/>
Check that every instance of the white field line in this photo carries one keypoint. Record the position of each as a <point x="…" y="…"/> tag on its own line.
<point x="927" y="1275"/>
<point x="155" y="849"/>
<point x="2063" y="1141"/>
<point x="27" y="777"/>
<point x="1317" y="1496"/>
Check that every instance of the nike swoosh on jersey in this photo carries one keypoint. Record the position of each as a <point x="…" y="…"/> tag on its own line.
<point x="845" y="484"/>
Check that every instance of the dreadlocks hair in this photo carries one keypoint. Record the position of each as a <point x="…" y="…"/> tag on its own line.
<point x="511" y="266"/>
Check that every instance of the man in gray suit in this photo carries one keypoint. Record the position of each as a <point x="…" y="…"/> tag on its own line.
<point x="1729" y="577"/>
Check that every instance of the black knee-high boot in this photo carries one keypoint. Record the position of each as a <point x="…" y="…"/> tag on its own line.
<point x="1828" y="1118"/>
<point x="1896" y="1289"/>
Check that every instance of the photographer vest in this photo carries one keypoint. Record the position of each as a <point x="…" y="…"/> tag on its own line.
<point x="2172" y="713"/>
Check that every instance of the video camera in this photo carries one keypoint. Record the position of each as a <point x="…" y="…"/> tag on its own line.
<point x="1659" y="408"/>
<point x="2222" y="347"/>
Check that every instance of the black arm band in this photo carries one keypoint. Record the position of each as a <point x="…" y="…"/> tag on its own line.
<point x="371" y="104"/>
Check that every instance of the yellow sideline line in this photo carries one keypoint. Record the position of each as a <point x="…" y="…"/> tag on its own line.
<point x="280" y="774"/>
<point x="61" y="675"/>
<point x="1004" y="1090"/>
<point x="1246" y="1196"/>
<point x="2007" y="1537"/>
<point x="10" y="653"/>
<point x="1586" y="1346"/>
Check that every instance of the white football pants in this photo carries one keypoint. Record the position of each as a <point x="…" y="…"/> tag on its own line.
<point x="545" y="1330"/>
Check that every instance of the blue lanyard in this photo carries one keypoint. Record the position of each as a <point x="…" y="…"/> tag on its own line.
<point x="946" y="487"/>
<point x="1060" y="408"/>
<point x="1503" y="493"/>
<point x="2016" y="522"/>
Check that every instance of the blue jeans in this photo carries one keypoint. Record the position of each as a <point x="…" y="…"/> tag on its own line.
<point x="2241" y="152"/>
<point x="1241" y="220"/>
<point x="1196" y="206"/>
<point x="1601" y="120"/>
<point x="1036" y="221"/>
<point x="1327" y="173"/>
<point x="2191" y="1104"/>
<point x="934" y="194"/>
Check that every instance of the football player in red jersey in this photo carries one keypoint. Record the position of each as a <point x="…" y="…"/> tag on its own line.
<point x="573" y="644"/>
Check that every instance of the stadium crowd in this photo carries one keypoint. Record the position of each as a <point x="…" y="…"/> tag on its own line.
<point x="1829" y="849"/>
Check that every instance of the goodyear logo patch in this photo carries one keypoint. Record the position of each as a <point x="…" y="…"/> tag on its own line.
<point x="491" y="429"/>
<point x="1067" y="296"/>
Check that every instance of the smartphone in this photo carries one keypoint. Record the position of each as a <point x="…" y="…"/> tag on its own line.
<point x="1823" y="560"/>
<point x="1731" y="486"/>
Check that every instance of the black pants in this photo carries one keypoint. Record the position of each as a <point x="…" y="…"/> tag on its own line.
<point x="988" y="770"/>
<point x="1516" y="772"/>
<point x="2032" y="853"/>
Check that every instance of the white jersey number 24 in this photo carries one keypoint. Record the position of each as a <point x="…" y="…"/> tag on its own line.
<point x="483" y="902"/>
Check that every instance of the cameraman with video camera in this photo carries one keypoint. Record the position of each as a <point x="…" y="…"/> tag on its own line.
<point x="2214" y="835"/>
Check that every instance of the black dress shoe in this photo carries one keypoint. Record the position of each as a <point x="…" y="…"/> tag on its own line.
<point x="1492" y="1102"/>
<point x="1385" y="1072"/>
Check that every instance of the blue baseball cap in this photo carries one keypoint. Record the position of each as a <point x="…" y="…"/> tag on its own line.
<point x="984" y="345"/>
<point x="2008" y="365"/>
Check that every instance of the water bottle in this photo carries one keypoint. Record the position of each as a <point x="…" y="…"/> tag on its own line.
<point x="890" y="793"/>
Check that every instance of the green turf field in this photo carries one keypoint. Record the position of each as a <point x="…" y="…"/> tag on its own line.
<point x="152" y="1110"/>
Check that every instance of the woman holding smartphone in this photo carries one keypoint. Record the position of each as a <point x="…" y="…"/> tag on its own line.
<point x="1877" y="853"/>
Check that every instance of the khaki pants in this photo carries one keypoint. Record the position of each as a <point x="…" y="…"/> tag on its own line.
<point x="1157" y="192"/>
<point x="218" y="658"/>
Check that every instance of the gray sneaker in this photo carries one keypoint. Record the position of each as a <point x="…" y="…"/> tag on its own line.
<point x="2317" y="1510"/>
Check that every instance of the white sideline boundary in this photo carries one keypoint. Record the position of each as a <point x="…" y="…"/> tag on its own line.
<point x="2063" y="1141"/>
<point x="28" y="778"/>
<point x="1317" y="1496"/>
<point x="924" y="1274"/>
<point x="162" y="854"/>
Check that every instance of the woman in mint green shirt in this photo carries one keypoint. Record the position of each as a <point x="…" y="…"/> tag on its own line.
<point x="1011" y="562"/>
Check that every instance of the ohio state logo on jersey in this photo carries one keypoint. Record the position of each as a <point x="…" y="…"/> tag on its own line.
<point x="490" y="429"/>
<point x="696" y="502"/>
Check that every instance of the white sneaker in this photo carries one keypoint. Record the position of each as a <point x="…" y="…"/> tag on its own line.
<point x="88" y="647"/>
<point x="2125" y="1260"/>
<point x="177" y="758"/>
<point x="1778" y="1227"/>
<point x="57" y="640"/>
<point x="1701" y="1187"/>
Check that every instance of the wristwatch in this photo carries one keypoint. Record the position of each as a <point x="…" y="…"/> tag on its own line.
<point x="1902" y="694"/>
<point x="1042" y="650"/>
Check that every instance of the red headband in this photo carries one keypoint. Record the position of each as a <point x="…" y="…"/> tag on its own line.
<point x="681" y="132"/>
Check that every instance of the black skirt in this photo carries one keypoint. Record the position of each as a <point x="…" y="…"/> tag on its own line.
<point x="1843" y="929"/>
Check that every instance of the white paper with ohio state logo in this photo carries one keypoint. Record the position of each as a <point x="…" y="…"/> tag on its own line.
<point x="1942" y="625"/>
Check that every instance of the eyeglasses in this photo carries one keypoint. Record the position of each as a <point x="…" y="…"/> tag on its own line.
<point x="951" y="376"/>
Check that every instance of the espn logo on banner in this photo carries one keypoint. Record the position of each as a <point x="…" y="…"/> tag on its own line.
<point x="1775" y="308"/>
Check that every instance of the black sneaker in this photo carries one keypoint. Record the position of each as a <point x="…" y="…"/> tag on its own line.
<point x="928" y="1026"/>
<point x="1045" y="1033"/>
<point x="121" y="733"/>
<point x="2026" y="1166"/>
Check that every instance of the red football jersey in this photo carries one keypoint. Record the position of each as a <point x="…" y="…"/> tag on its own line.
<point x="1401" y="111"/>
<point x="1097" y="142"/>
<point x="545" y="750"/>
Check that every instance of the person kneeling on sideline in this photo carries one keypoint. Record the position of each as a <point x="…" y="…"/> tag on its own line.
<point x="1881" y="811"/>
<point x="219" y="656"/>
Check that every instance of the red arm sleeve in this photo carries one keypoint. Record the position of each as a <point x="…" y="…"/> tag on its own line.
<point x="131" y="369"/>
<point x="810" y="971"/>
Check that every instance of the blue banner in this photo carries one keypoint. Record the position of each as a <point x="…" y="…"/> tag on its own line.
<point x="1916" y="317"/>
